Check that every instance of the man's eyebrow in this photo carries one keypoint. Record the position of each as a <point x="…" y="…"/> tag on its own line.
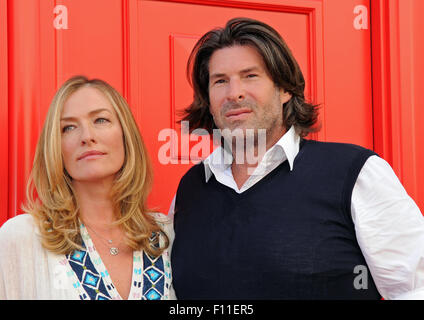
<point x="216" y="75"/>
<point x="246" y="70"/>
<point x="251" y="69"/>
<point x="91" y="113"/>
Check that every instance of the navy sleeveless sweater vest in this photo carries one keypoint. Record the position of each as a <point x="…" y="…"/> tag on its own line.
<point x="290" y="236"/>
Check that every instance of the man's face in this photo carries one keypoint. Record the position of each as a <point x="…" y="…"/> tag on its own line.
<point x="242" y="94"/>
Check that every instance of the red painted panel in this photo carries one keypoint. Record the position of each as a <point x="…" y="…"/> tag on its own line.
<point x="24" y="94"/>
<point x="411" y="62"/>
<point x="183" y="145"/>
<point x="417" y="86"/>
<point x="93" y="43"/>
<point x="348" y="87"/>
<point x="398" y="84"/>
<point x="4" y="107"/>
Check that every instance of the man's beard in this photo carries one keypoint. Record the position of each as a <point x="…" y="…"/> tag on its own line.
<point x="244" y="142"/>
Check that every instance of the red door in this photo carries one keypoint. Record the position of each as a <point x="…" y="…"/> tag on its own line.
<point x="141" y="48"/>
<point x="337" y="73"/>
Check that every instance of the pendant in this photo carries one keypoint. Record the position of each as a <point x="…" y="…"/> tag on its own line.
<point x="114" y="251"/>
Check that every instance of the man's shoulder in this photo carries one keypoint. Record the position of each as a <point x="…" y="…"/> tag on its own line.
<point x="197" y="171"/>
<point x="336" y="147"/>
<point x="192" y="180"/>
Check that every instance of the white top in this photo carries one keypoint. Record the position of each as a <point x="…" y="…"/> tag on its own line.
<point x="28" y="271"/>
<point x="389" y="226"/>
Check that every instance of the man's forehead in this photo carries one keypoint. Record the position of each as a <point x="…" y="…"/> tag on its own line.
<point x="241" y="58"/>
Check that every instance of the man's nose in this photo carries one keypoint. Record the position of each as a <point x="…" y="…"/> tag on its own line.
<point x="236" y="92"/>
<point x="87" y="135"/>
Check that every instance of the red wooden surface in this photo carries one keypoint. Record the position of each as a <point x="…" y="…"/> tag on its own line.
<point x="4" y="107"/>
<point x="398" y="84"/>
<point x="368" y="97"/>
<point x="24" y="99"/>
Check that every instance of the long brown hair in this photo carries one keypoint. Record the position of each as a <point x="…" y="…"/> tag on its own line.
<point x="281" y="65"/>
<point x="55" y="209"/>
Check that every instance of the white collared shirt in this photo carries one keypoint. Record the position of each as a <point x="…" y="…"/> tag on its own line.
<point x="389" y="226"/>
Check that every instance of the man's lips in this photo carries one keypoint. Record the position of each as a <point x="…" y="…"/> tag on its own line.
<point x="91" y="153"/>
<point x="237" y="112"/>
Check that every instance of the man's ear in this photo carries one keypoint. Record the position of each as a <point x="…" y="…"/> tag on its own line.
<point x="284" y="96"/>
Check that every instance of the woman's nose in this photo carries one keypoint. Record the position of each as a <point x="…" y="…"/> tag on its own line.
<point x="87" y="135"/>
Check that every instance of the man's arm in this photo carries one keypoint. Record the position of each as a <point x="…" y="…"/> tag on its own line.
<point x="390" y="231"/>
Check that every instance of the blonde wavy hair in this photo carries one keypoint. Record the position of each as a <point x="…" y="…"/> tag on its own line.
<point x="51" y="198"/>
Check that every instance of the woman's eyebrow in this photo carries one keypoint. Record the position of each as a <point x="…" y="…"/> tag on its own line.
<point x="91" y="113"/>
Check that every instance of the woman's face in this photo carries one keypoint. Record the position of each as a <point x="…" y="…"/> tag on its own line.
<point x="92" y="138"/>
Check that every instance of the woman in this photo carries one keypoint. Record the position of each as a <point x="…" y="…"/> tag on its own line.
<point x="88" y="234"/>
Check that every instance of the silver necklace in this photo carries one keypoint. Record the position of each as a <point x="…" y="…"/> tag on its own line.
<point x="113" y="250"/>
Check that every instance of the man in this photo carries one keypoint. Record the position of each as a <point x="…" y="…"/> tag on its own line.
<point x="307" y="219"/>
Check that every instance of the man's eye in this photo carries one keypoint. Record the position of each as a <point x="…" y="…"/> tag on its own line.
<point x="219" y="81"/>
<point x="252" y="75"/>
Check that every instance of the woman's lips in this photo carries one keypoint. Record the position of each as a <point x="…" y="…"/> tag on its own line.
<point x="93" y="154"/>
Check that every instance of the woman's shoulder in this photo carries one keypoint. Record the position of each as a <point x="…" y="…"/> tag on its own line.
<point x="161" y="218"/>
<point x="165" y="222"/>
<point x="17" y="228"/>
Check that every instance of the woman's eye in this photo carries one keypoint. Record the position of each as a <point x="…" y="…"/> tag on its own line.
<point x="252" y="75"/>
<point x="67" y="128"/>
<point x="101" y="120"/>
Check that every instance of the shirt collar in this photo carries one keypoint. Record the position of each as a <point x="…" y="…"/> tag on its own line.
<point x="286" y="148"/>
